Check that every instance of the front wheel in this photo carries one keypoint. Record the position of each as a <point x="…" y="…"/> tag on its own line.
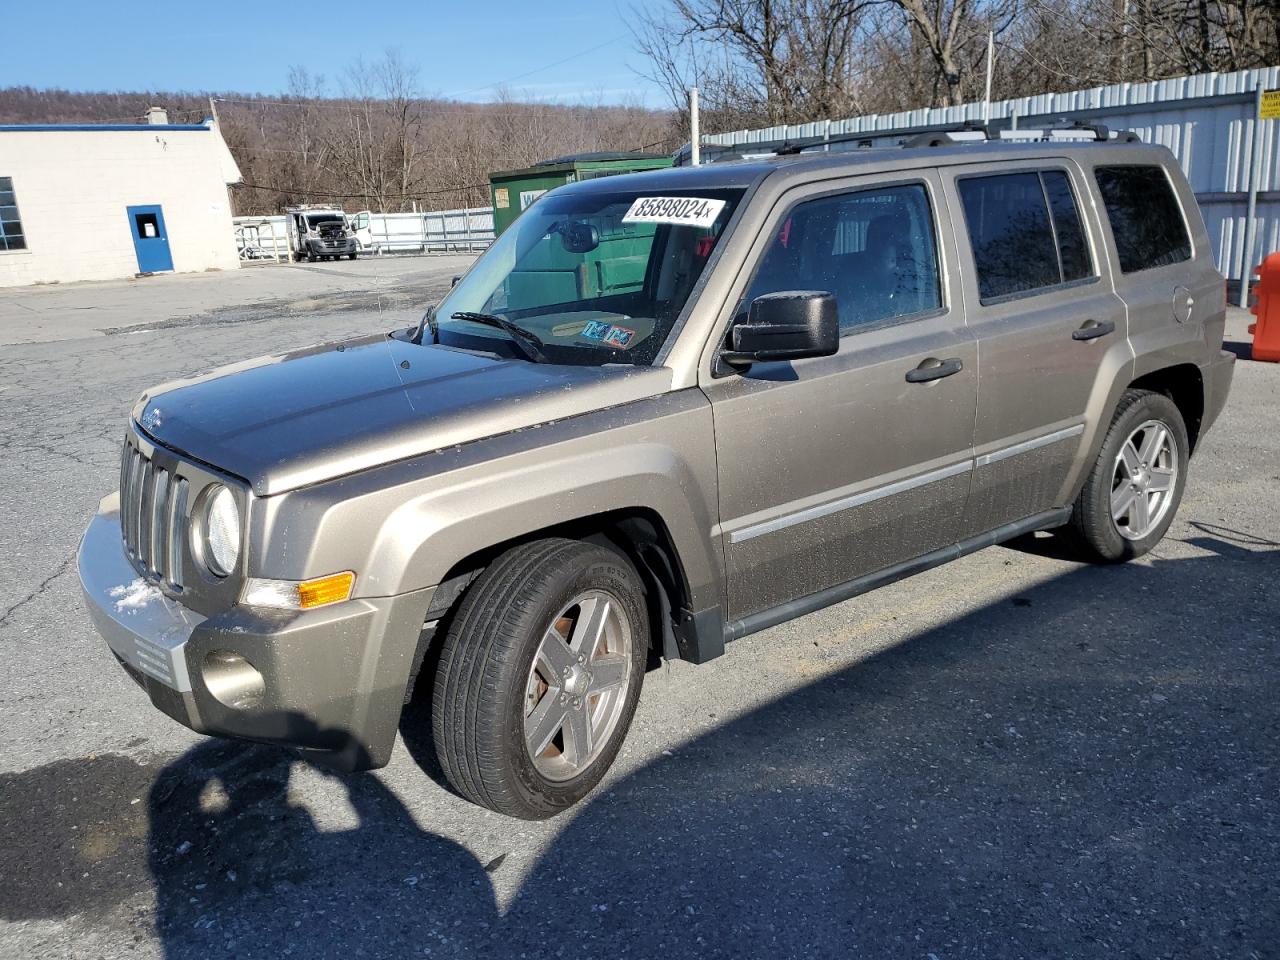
<point x="1132" y="493"/>
<point x="539" y="677"/>
<point x="351" y="255"/>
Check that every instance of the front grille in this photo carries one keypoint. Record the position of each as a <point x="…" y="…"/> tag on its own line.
<point x="153" y="516"/>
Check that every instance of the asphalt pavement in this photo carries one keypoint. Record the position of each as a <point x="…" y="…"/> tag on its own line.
<point x="1015" y="755"/>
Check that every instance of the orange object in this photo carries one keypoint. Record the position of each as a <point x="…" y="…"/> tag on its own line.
<point x="325" y="590"/>
<point x="1266" y="332"/>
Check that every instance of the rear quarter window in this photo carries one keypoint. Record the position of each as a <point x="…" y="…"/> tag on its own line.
<point x="1145" y="217"/>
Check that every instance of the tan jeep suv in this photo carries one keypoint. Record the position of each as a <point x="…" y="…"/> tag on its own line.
<point x="663" y="411"/>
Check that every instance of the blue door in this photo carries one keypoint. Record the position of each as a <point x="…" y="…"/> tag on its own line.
<point x="150" y="239"/>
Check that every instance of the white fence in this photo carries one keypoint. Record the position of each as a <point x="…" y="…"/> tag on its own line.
<point x="1208" y="121"/>
<point x="468" y="230"/>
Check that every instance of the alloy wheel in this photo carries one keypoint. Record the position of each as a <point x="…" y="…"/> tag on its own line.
<point x="1144" y="480"/>
<point x="577" y="685"/>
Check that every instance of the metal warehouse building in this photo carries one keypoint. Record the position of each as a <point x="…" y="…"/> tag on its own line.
<point x="95" y="202"/>
<point x="1210" y="122"/>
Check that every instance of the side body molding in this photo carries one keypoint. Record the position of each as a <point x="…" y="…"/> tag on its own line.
<point x="404" y="526"/>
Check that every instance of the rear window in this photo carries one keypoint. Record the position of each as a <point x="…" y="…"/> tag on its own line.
<point x="1025" y="232"/>
<point x="1146" y="220"/>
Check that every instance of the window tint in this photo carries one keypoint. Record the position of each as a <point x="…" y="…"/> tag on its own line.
<point x="874" y="250"/>
<point x="1072" y="247"/>
<point x="1146" y="220"/>
<point x="1010" y="233"/>
<point x="11" y="235"/>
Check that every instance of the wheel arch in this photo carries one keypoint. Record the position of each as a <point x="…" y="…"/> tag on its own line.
<point x="1184" y="385"/>
<point x="638" y="533"/>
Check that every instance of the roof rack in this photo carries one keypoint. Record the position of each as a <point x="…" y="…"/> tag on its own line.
<point x="938" y="138"/>
<point x="968" y="132"/>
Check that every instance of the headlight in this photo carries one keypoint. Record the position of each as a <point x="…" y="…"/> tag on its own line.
<point x="220" y="531"/>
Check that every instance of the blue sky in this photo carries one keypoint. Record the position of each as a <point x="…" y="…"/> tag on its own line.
<point x="462" y="49"/>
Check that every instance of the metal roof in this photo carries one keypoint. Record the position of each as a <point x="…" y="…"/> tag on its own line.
<point x="101" y="127"/>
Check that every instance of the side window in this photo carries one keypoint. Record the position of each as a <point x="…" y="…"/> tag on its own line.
<point x="11" y="234"/>
<point x="1072" y="247"/>
<point x="1025" y="232"/>
<point x="1146" y="220"/>
<point x="874" y="250"/>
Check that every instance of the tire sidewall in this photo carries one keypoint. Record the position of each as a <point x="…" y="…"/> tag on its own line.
<point x="606" y="573"/>
<point x="1155" y="406"/>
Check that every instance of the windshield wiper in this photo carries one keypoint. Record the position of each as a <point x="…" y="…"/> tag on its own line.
<point x="530" y="343"/>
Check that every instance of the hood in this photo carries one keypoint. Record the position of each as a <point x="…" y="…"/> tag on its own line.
<point x="283" y="422"/>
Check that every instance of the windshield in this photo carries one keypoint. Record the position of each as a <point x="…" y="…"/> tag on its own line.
<point x="596" y="278"/>
<point x="316" y="221"/>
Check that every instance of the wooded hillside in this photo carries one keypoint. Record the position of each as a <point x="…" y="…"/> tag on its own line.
<point x="381" y="147"/>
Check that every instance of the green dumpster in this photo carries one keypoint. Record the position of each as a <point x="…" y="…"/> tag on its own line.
<point x="550" y="273"/>
<point x="514" y="190"/>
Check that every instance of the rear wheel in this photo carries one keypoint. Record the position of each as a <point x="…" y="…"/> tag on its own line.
<point x="539" y="677"/>
<point x="1130" y="497"/>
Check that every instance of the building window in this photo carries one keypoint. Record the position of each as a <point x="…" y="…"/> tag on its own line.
<point x="11" y="236"/>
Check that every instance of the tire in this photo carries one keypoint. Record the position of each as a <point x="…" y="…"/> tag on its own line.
<point x="351" y="255"/>
<point x="311" y="256"/>
<point x="490" y="693"/>
<point x="1103" y="533"/>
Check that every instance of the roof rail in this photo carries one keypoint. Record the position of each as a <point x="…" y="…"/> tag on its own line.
<point x="938" y="138"/>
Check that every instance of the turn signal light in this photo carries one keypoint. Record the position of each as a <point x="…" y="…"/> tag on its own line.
<point x="323" y="590"/>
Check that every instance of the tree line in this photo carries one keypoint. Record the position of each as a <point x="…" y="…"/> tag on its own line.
<point x="370" y="138"/>
<point x="769" y="62"/>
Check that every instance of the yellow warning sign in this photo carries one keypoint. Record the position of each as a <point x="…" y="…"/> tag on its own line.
<point x="1270" y="109"/>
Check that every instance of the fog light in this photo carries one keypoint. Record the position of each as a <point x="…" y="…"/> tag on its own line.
<point x="233" y="680"/>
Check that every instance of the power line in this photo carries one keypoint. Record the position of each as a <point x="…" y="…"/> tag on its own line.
<point x="363" y="196"/>
<point x="529" y="73"/>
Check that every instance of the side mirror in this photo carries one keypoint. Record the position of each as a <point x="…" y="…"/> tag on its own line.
<point x="454" y="282"/>
<point x="785" y="326"/>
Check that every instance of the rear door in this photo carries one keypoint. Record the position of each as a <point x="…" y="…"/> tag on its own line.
<point x="1050" y="330"/>
<point x="1162" y="260"/>
<point x="832" y="468"/>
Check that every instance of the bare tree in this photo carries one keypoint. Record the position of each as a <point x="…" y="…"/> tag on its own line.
<point x="776" y="61"/>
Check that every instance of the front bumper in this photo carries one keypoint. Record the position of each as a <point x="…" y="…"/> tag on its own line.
<point x="334" y="248"/>
<point x="332" y="679"/>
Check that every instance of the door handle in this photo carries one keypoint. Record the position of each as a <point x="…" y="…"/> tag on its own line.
<point x="1093" y="329"/>
<point x="934" y="369"/>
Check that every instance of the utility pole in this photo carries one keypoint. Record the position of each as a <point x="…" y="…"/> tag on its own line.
<point x="1251" y="211"/>
<point x="695" y="137"/>
<point x="986" y="100"/>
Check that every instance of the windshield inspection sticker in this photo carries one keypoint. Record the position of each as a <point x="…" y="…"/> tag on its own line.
<point x="613" y="335"/>
<point x="685" y="211"/>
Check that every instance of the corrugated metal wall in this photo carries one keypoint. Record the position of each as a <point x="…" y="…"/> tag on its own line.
<point x="1206" y="120"/>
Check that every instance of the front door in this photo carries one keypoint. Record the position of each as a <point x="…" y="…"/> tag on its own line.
<point x="832" y="468"/>
<point x="150" y="239"/>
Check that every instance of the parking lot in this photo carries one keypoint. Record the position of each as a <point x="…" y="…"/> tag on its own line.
<point x="1015" y="755"/>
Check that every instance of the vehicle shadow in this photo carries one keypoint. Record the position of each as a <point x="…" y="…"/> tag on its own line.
<point x="1089" y="771"/>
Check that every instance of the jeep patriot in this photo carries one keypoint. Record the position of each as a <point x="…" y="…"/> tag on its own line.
<point x="661" y="412"/>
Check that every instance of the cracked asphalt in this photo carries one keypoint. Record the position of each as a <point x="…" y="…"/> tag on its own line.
<point x="1015" y="755"/>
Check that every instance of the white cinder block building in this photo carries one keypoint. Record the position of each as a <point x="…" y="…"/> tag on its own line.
<point x="94" y="202"/>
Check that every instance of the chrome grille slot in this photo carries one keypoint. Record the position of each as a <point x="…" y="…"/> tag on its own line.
<point x="153" y="513"/>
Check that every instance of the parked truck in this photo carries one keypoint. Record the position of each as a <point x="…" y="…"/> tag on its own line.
<point x="317" y="233"/>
